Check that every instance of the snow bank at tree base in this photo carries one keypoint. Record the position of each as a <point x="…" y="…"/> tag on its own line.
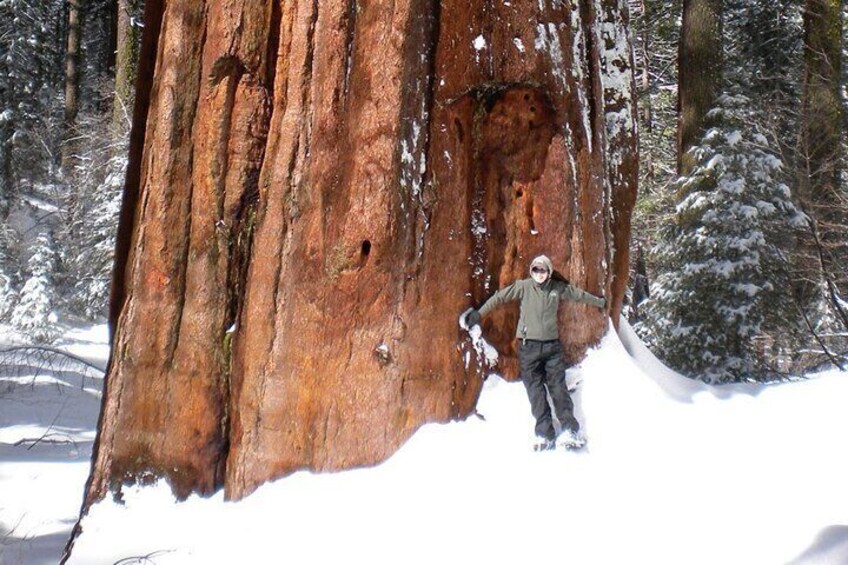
<point x="676" y="472"/>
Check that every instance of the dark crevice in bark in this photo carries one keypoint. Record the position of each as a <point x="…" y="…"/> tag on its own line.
<point x="241" y="242"/>
<point x="273" y="49"/>
<point x="224" y="338"/>
<point x="241" y="247"/>
<point x="309" y="70"/>
<point x="420" y="50"/>
<point x="432" y="37"/>
<point x="593" y="87"/>
<point x="352" y="11"/>
<point x="247" y="214"/>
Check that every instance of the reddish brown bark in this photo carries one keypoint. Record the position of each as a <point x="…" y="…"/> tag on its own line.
<point x="341" y="180"/>
<point x="165" y="410"/>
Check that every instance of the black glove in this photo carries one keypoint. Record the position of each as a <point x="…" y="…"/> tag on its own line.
<point x="472" y="318"/>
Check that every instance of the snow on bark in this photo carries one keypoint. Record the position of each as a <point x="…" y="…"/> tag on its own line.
<point x="620" y="144"/>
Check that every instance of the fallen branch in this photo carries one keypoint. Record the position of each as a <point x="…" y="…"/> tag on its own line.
<point x="142" y="559"/>
<point x="14" y="360"/>
<point x="45" y="439"/>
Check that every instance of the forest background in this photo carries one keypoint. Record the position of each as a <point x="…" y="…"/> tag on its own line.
<point x="740" y="237"/>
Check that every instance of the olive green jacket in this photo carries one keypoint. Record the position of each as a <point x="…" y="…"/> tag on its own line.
<point x="539" y="304"/>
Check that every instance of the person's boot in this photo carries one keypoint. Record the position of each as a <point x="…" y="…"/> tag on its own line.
<point x="544" y="444"/>
<point x="569" y="439"/>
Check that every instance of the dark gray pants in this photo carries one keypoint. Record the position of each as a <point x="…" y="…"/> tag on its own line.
<point x="543" y="372"/>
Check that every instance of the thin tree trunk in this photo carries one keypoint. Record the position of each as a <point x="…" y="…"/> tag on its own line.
<point x="699" y="73"/>
<point x="7" y="127"/>
<point x="128" y="34"/>
<point x="821" y="148"/>
<point x="72" y="60"/>
<point x="645" y="97"/>
<point x="6" y="131"/>
<point x="5" y="167"/>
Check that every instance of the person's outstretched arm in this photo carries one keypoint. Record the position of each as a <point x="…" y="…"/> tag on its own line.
<point x="571" y="292"/>
<point x="506" y="294"/>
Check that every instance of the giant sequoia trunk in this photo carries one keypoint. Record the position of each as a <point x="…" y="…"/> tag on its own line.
<point x="318" y="189"/>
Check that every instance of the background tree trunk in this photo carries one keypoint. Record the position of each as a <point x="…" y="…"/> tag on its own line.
<point x="643" y="66"/>
<point x="699" y="72"/>
<point x="318" y="189"/>
<point x="128" y="32"/>
<point x="7" y="100"/>
<point x="820" y="185"/>
<point x="6" y="131"/>
<point x="72" y="61"/>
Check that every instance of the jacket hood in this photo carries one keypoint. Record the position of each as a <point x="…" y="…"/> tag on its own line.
<point x="543" y="261"/>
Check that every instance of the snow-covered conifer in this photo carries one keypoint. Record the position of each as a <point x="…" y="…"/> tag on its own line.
<point x="8" y="296"/>
<point x="34" y="314"/>
<point x="722" y="279"/>
<point x="91" y="209"/>
<point x="30" y="76"/>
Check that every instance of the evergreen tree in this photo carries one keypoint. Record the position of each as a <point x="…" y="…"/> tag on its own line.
<point x="88" y="243"/>
<point x="79" y="205"/>
<point x="8" y="296"/>
<point x="35" y="315"/>
<point x="723" y="278"/>
<point x="30" y="78"/>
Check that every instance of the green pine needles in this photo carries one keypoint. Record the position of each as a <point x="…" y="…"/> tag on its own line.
<point x="722" y="281"/>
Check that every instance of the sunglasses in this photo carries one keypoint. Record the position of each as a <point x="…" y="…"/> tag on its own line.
<point x="539" y="270"/>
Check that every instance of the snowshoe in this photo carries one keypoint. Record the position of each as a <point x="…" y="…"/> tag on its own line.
<point x="544" y="445"/>
<point x="571" y="440"/>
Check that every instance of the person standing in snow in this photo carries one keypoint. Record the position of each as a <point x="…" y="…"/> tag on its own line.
<point x="539" y="349"/>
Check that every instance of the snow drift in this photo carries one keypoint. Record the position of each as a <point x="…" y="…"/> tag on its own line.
<point x="675" y="472"/>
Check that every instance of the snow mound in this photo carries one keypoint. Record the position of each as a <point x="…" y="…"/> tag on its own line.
<point x="48" y="416"/>
<point x="675" y="472"/>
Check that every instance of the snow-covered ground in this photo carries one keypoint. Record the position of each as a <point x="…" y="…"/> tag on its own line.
<point x="48" y="416"/>
<point x="675" y="473"/>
